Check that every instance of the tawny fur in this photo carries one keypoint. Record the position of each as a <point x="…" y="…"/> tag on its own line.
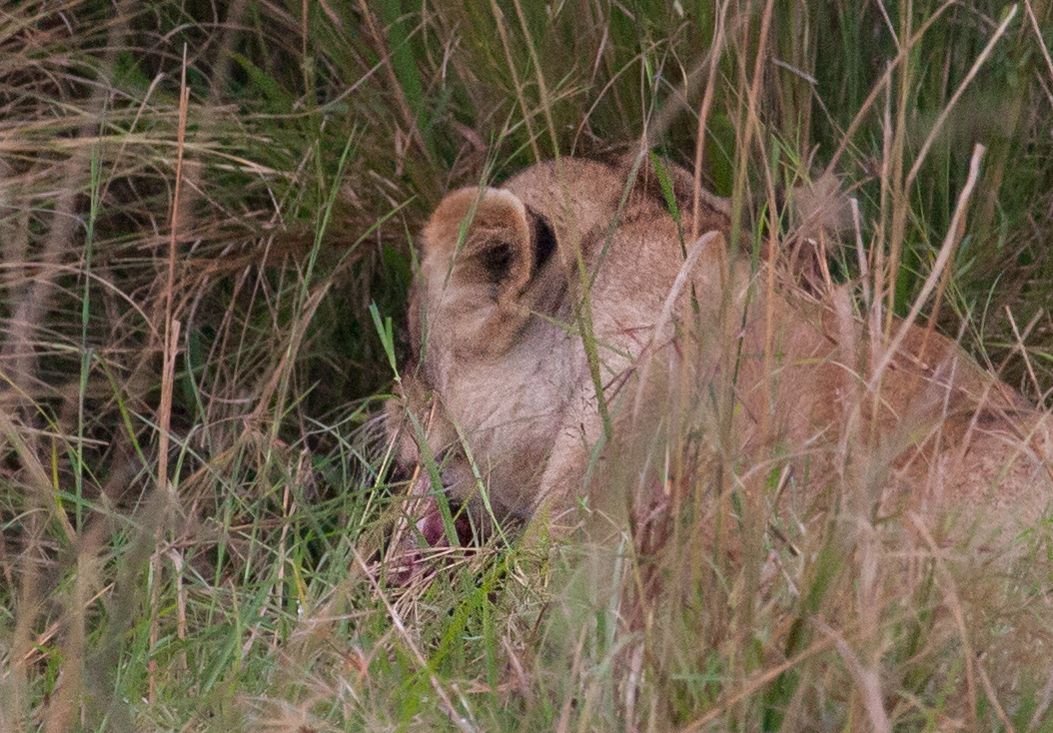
<point x="689" y="336"/>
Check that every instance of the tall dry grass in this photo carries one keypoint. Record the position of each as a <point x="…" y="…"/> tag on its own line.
<point x="199" y="202"/>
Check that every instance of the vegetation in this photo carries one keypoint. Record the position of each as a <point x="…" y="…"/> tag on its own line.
<point x="206" y="221"/>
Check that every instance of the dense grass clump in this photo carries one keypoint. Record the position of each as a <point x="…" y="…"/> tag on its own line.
<point x="206" y="221"/>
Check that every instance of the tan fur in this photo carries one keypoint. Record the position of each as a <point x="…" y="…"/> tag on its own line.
<point x="690" y="339"/>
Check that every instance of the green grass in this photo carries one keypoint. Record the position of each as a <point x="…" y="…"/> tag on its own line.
<point x="232" y="585"/>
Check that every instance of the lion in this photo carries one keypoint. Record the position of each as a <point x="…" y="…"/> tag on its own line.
<point x="568" y="332"/>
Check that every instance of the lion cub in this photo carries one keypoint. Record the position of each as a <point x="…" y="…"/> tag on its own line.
<point x="572" y="344"/>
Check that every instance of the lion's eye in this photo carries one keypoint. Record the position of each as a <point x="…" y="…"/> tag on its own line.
<point x="399" y="473"/>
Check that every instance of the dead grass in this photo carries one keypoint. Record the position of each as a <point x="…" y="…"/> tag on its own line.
<point x="198" y="204"/>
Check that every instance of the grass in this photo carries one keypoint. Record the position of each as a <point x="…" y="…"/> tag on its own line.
<point x="206" y="216"/>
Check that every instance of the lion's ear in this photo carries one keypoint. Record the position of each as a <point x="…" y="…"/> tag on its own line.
<point x="486" y="237"/>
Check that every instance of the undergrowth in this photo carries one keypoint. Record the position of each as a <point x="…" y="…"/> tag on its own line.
<point x="201" y="201"/>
